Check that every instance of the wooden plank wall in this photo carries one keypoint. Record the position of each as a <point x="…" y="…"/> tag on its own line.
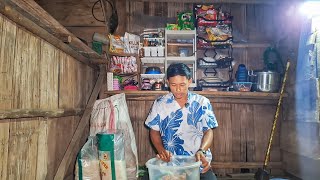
<point x="252" y="24"/>
<point x="242" y="134"/>
<point x="37" y="75"/>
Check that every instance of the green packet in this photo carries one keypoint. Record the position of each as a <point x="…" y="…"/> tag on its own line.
<point x="173" y="27"/>
<point x="186" y="21"/>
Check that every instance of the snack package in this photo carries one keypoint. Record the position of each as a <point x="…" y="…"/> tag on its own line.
<point x="123" y="64"/>
<point x="173" y="27"/>
<point x="186" y="21"/>
<point x="131" y="42"/>
<point x="116" y="44"/>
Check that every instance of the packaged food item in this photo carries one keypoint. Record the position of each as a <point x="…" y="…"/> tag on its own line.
<point x="186" y="21"/>
<point x="131" y="43"/>
<point x="173" y="27"/>
<point x="111" y="155"/>
<point x="87" y="164"/>
<point x="123" y="64"/>
<point x="116" y="44"/>
<point x="112" y="113"/>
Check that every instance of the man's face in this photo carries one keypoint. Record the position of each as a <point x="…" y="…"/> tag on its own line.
<point x="179" y="86"/>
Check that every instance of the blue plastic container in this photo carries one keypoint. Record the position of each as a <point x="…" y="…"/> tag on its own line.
<point x="242" y="73"/>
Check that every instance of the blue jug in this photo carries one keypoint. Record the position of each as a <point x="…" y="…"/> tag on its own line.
<point x="242" y="73"/>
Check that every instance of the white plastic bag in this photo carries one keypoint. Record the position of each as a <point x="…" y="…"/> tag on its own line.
<point x="87" y="164"/>
<point x="112" y="113"/>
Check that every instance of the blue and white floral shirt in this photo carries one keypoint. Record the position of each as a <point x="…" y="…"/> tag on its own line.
<point x="181" y="129"/>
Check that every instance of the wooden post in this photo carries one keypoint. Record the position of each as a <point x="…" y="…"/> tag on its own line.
<point x="82" y="124"/>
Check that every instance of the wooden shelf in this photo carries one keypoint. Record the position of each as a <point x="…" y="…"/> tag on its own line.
<point x="180" y="44"/>
<point x="251" y="44"/>
<point x="208" y="94"/>
<point x="121" y="54"/>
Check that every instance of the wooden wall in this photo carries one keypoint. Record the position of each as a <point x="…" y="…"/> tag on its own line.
<point x="260" y="23"/>
<point x="239" y="141"/>
<point x="39" y="77"/>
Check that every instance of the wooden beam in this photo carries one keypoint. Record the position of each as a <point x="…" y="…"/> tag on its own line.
<point x="64" y="38"/>
<point x="30" y="113"/>
<point x="7" y="9"/>
<point x="37" y="14"/>
<point x="72" y="151"/>
<point x="249" y="165"/>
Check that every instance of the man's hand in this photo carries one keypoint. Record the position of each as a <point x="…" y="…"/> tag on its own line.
<point x="204" y="163"/>
<point x="164" y="155"/>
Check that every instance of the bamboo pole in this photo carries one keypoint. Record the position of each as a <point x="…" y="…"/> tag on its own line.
<point x="81" y="127"/>
<point x="30" y="113"/>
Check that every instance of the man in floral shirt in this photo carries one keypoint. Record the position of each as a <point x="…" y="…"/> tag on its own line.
<point x="181" y="121"/>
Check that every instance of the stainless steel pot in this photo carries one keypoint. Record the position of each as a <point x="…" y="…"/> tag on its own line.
<point x="268" y="81"/>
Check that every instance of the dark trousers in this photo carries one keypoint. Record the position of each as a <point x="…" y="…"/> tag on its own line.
<point x="209" y="175"/>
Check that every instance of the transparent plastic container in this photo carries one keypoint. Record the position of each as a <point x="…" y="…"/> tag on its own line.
<point x="179" y="168"/>
<point x="242" y="86"/>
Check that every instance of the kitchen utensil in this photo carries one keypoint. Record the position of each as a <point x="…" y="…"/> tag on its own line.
<point x="253" y="77"/>
<point x="268" y="81"/>
<point x="262" y="173"/>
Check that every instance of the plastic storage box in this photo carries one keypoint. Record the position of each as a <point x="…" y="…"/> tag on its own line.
<point x="180" y="167"/>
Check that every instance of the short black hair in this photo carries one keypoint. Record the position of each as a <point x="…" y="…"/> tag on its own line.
<point x="178" y="69"/>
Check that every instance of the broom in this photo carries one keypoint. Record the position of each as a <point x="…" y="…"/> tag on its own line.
<point x="262" y="173"/>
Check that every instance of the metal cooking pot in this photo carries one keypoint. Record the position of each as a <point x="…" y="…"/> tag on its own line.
<point x="268" y="81"/>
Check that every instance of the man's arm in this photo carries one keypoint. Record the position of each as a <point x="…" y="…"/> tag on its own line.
<point x="207" y="140"/>
<point x="205" y="145"/>
<point x="157" y="142"/>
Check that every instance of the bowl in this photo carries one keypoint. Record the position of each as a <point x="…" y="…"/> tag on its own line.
<point x="242" y="86"/>
<point x="153" y="70"/>
<point x="180" y="167"/>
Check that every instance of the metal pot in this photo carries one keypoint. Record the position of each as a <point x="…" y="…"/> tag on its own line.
<point x="268" y="81"/>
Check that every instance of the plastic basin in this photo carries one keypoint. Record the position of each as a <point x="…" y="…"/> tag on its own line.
<point x="180" y="167"/>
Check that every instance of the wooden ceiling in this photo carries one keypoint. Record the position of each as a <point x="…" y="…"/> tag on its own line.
<point x="73" y="13"/>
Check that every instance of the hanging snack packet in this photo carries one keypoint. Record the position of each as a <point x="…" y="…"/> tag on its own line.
<point x="116" y="44"/>
<point x="186" y="21"/>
